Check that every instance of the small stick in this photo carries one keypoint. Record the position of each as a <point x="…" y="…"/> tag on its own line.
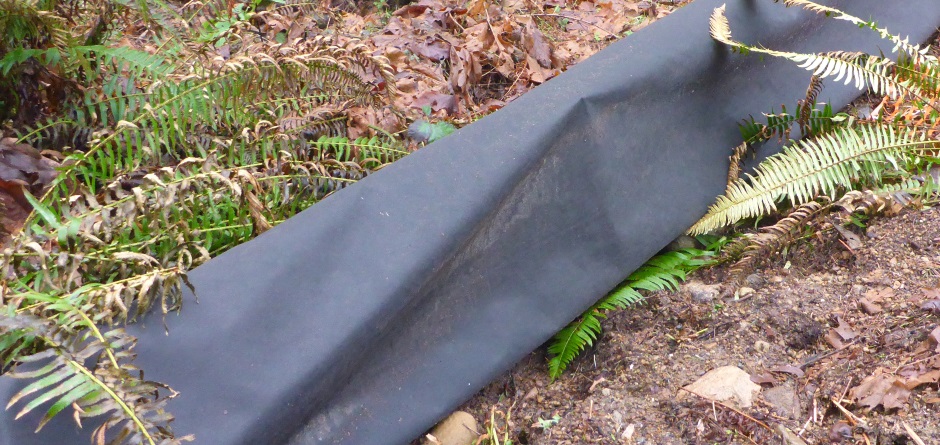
<point x="914" y="436"/>
<point x="852" y="417"/>
<point x="575" y="19"/>
<point x="729" y="407"/>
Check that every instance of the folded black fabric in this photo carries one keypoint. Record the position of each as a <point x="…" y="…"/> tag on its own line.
<point x="370" y="316"/>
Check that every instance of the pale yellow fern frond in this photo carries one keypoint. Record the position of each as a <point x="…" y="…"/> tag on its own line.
<point x="843" y="159"/>
<point x="720" y="29"/>
<point x="917" y="53"/>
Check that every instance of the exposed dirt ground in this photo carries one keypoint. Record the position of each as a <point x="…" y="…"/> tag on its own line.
<point x="825" y="327"/>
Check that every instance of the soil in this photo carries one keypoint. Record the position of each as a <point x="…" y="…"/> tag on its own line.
<point x="820" y="322"/>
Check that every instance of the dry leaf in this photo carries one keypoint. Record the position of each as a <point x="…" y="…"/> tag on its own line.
<point x="834" y="340"/>
<point x="870" y="302"/>
<point x="789" y="369"/>
<point x="761" y="379"/>
<point x="932" y="306"/>
<point x="881" y="389"/>
<point x="935" y="336"/>
<point x="845" y="330"/>
<point x="535" y="46"/>
<point x="436" y="102"/>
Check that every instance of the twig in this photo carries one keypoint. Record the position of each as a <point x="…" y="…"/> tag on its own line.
<point x="913" y="435"/>
<point x="852" y="417"/>
<point x="595" y="383"/>
<point x="728" y="407"/>
<point x="560" y="16"/>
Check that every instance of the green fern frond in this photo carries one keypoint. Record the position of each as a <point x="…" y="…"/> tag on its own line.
<point x="662" y="272"/>
<point x="61" y="379"/>
<point x="843" y="158"/>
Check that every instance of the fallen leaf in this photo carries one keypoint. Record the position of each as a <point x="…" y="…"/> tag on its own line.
<point x="845" y="330"/>
<point x="727" y="383"/>
<point x="932" y="306"/>
<point x="765" y="378"/>
<point x="935" y="336"/>
<point x="436" y="102"/>
<point x="886" y="390"/>
<point x="411" y="11"/>
<point x="834" y="340"/>
<point x="535" y="45"/>
<point x="789" y="369"/>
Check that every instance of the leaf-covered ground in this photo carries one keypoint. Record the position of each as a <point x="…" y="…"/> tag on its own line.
<point x="453" y="61"/>
<point x="459" y="60"/>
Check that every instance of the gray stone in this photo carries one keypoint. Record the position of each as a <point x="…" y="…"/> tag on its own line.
<point x="785" y="401"/>
<point x="701" y="292"/>
<point x="755" y="281"/>
<point x="681" y="243"/>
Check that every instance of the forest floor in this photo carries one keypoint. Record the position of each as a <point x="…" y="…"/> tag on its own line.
<point x="844" y="345"/>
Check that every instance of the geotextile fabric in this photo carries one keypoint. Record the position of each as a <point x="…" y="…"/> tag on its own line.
<point x="370" y="316"/>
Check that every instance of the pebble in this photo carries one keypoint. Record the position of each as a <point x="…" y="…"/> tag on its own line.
<point x="784" y="401"/>
<point x="701" y="292"/>
<point x="755" y="281"/>
<point x="458" y="428"/>
<point x="761" y="346"/>
<point x="743" y="292"/>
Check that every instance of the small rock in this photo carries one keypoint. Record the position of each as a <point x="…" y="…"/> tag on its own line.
<point x="784" y="401"/>
<point x="840" y="431"/>
<point x="459" y="428"/>
<point x="618" y="418"/>
<point x="755" y="281"/>
<point x="727" y="383"/>
<point x="681" y="243"/>
<point x="701" y="292"/>
<point x="743" y="292"/>
<point x="761" y="346"/>
<point x="605" y="392"/>
<point x="628" y="432"/>
<point x="531" y="394"/>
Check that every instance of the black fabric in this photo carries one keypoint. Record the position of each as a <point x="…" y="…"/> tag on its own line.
<point x="370" y="316"/>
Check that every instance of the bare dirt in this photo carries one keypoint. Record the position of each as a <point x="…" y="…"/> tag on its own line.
<point x="844" y="345"/>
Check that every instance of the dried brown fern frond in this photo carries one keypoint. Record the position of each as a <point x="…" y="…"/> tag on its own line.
<point x="868" y="203"/>
<point x="772" y="239"/>
<point x="735" y="161"/>
<point x="806" y="105"/>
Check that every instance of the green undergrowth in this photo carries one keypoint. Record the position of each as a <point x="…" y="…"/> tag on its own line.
<point x="663" y="272"/>
<point x="169" y="155"/>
